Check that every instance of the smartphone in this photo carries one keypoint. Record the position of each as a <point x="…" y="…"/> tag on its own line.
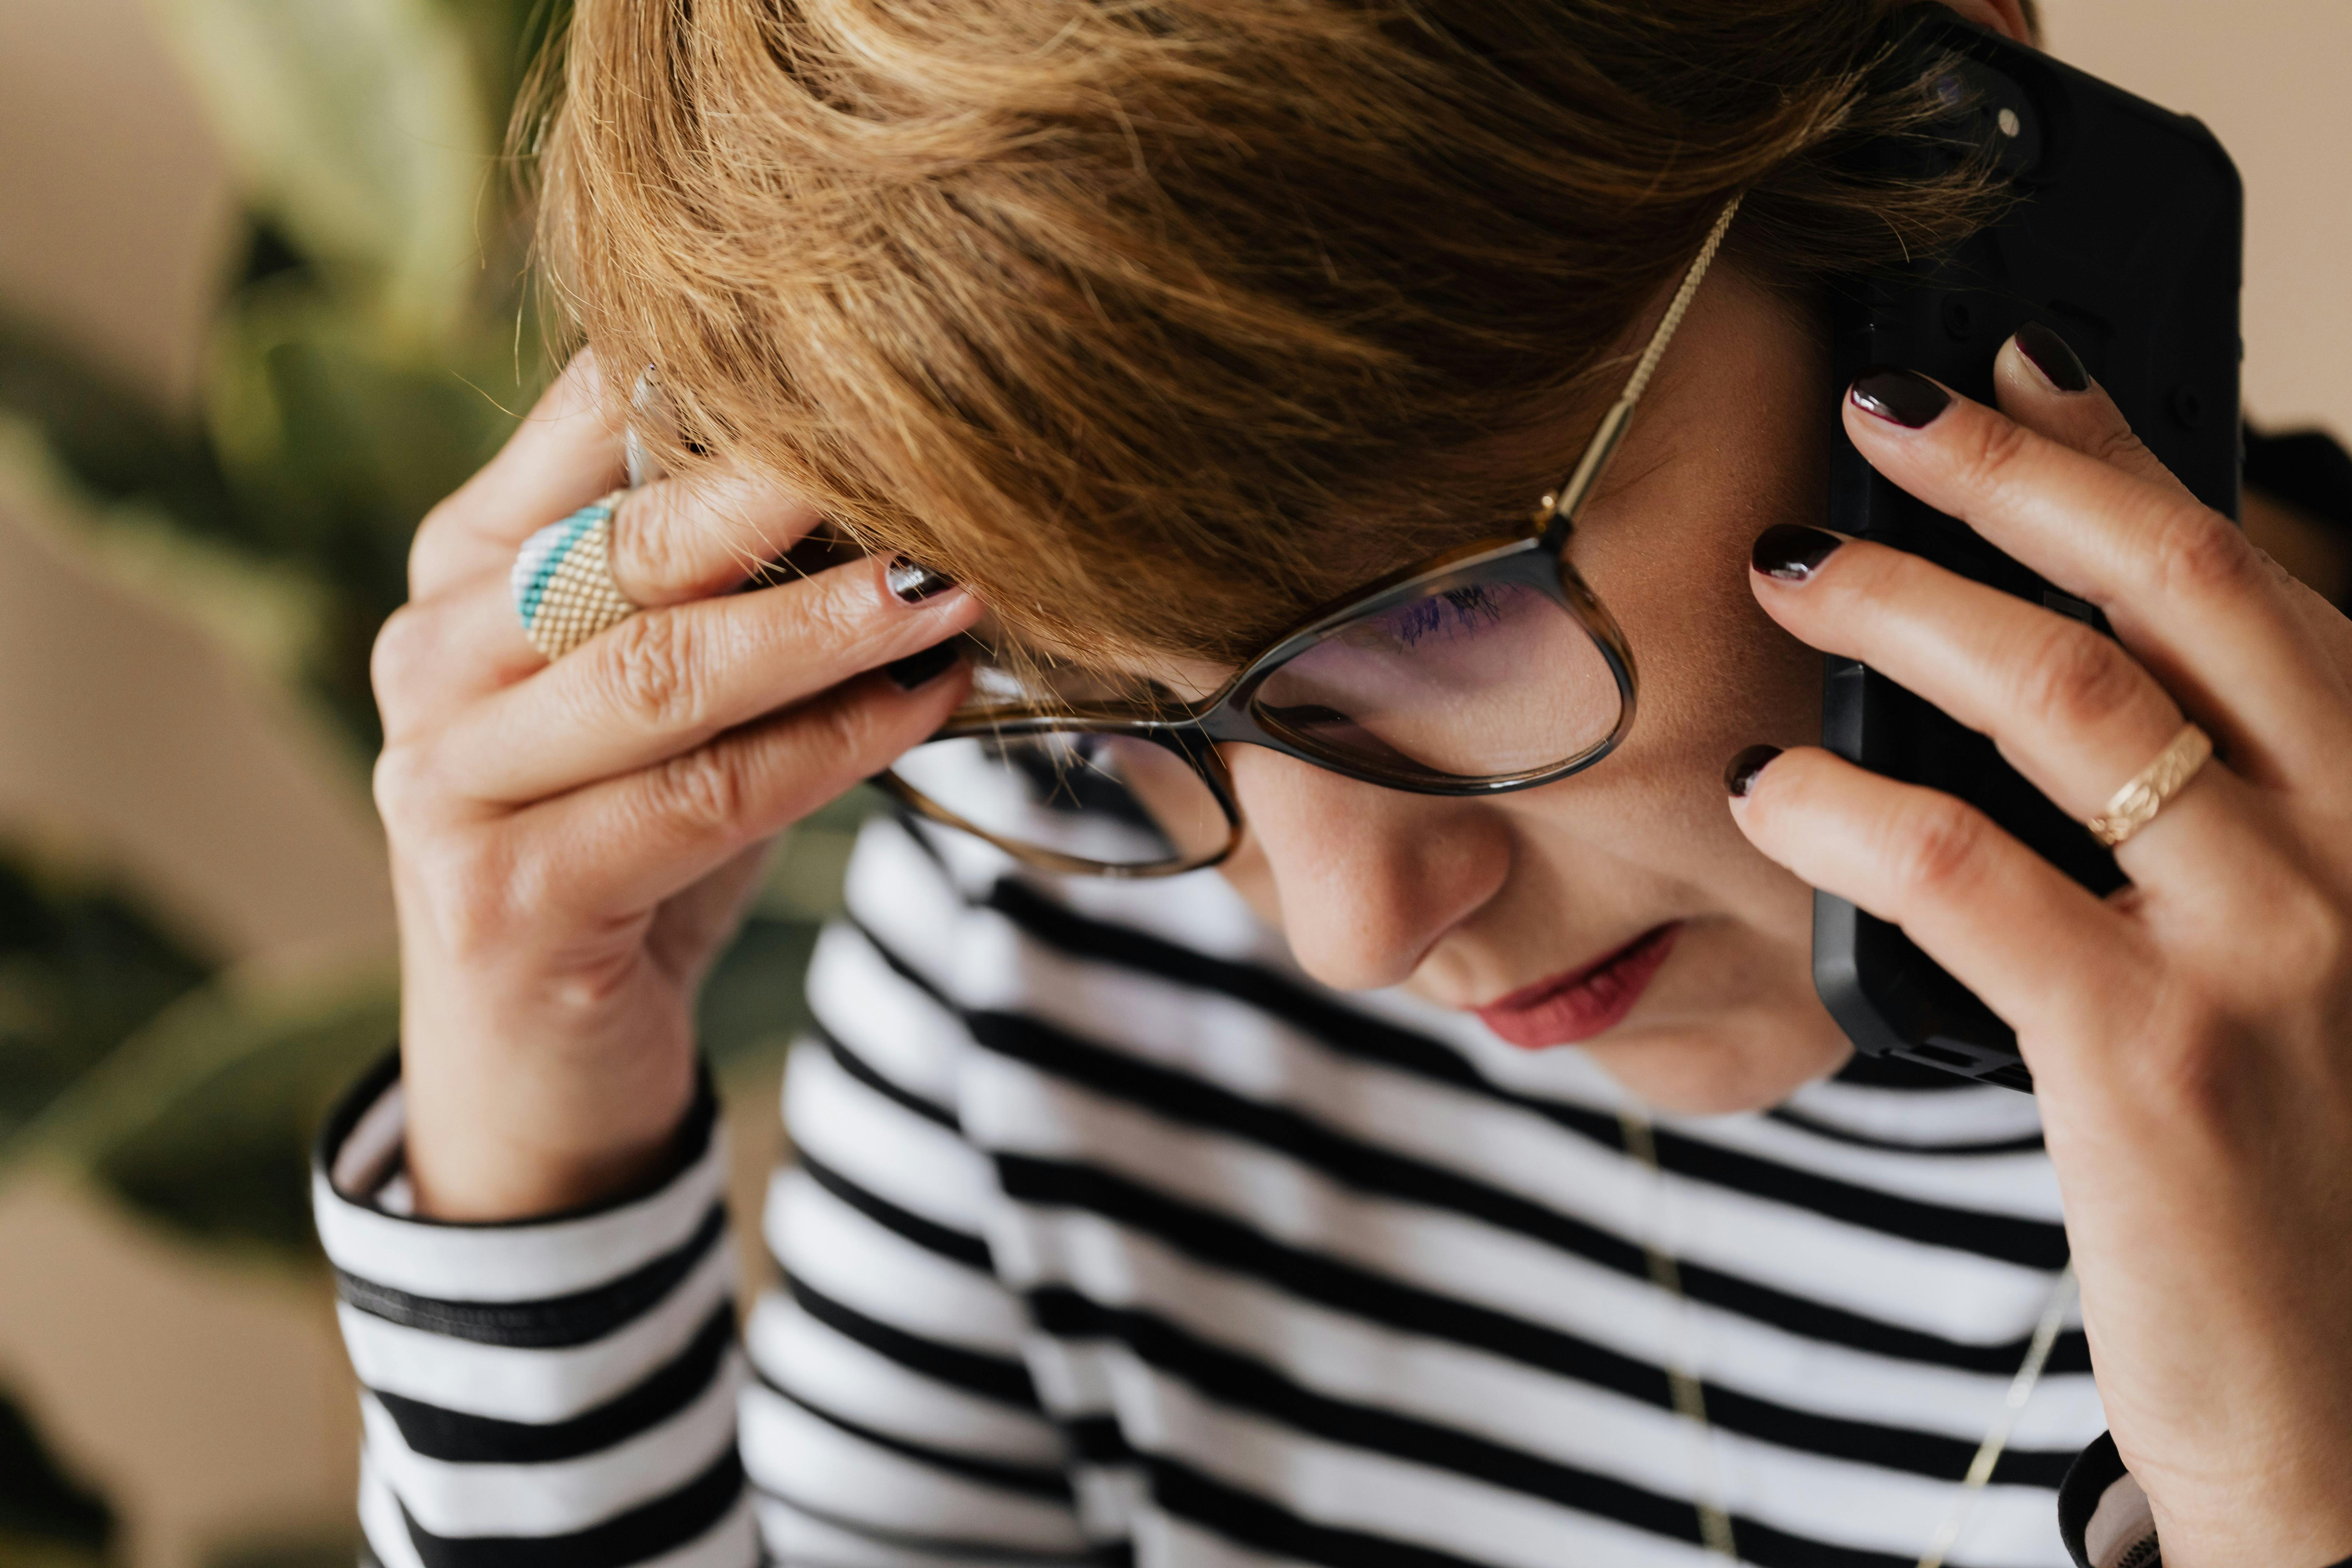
<point x="2125" y="236"/>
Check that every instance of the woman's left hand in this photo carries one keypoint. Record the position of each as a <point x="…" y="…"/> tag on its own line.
<point x="2191" y="1035"/>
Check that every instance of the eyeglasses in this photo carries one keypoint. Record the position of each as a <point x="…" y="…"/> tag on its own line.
<point x="1488" y="668"/>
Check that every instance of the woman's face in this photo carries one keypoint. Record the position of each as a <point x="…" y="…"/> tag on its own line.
<point x="1704" y="998"/>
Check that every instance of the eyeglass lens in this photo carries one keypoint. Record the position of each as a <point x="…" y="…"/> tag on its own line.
<point x="1483" y="681"/>
<point x="1112" y="801"/>
<point x="1466" y="682"/>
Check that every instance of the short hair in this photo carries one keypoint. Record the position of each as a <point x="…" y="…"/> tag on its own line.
<point x="1154" y="319"/>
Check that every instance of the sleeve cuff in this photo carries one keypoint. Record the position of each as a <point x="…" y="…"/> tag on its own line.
<point x="2102" y="1515"/>
<point x="356" y="1178"/>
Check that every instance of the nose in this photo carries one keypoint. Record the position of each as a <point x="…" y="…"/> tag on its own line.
<point x="1367" y="879"/>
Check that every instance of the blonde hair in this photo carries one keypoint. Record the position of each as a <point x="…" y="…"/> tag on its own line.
<point x="1157" y="320"/>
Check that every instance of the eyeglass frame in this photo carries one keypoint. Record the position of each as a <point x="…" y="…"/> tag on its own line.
<point x="1536" y="559"/>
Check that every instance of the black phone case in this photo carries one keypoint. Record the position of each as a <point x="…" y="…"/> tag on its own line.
<point x="2126" y="239"/>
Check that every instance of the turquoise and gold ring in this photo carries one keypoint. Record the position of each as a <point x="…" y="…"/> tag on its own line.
<point x="563" y="581"/>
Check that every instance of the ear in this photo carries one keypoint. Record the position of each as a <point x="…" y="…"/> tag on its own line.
<point x="2012" y="18"/>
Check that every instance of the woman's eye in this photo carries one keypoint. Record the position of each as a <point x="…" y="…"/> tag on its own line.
<point x="1454" y="613"/>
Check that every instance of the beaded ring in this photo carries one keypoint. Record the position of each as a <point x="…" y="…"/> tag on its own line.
<point x="563" y="581"/>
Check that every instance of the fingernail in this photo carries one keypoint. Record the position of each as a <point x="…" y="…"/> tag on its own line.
<point x="913" y="582"/>
<point x="1741" y="776"/>
<point x="1791" y="551"/>
<point x="919" y="670"/>
<point x="2048" y="352"/>
<point x="1901" y="397"/>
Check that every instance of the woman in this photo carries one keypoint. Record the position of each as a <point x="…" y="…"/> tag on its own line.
<point x="1118" y="1233"/>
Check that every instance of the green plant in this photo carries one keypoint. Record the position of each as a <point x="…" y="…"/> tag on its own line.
<point x="371" y="350"/>
<point x="47" y="1519"/>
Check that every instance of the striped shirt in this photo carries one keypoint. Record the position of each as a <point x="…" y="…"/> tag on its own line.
<point x="1110" y="1238"/>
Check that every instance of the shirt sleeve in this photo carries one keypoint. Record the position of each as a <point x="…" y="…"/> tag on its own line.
<point x="2104" y="1517"/>
<point x="559" y="1391"/>
<point x="570" y="1390"/>
<point x="892" y="1421"/>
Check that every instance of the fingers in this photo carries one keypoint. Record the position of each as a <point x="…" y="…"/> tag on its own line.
<point x="2184" y="590"/>
<point x="632" y="841"/>
<point x="673" y="540"/>
<point x="2009" y="925"/>
<point x="564" y="454"/>
<point x="665" y="681"/>
<point x="2070" y="710"/>
<point x="435" y="655"/>
<point x="2040" y="381"/>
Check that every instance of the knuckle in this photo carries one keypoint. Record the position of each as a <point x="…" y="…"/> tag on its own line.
<point x="401" y="654"/>
<point x="1939" y="848"/>
<point x="2195" y="551"/>
<point x="404" y="786"/>
<point x="651" y="668"/>
<point x="649" y="553"/>
<point x="705" y="791"/>
<point x="847" y="732"/>
<point x="474" y="887"/>
<point x="839" y="613"/>
<point x="2117" y="444"/>
<point x="1990" y="448"/>
<point x="2075" y="679"/>
<point x="432" y="538"/>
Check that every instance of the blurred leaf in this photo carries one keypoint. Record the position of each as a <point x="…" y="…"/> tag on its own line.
<point x="203" y="1120"/>
<point x="806" y="869"/>
<point x="753" y="1003"/>
<point x="112" y="440"/>
<point x="359" y="127"/>
<point x="270" y="613"/>
<point x="80" y="969"/>
<point x="339" y="1553"/>
<point x="334" y="447"/>
<point x="507" y="37"/>
<point x="47" y="1519"/>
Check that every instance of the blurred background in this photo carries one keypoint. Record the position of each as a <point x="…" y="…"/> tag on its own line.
<point x="261" y="303"/>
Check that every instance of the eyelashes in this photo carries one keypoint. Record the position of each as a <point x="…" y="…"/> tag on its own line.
<point x="1454" y="613"/>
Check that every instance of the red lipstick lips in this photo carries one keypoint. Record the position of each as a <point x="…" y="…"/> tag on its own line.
<point x="1582" y="1002"/>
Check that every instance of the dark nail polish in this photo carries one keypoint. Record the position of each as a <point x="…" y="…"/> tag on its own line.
<point x="920" y="668"/>
<point x="1741" y="776"/>
<point x="1792" y="552"/>
<point x="2060" y="366"/>
<point x="1901" y="397"/>
<point x="913" y="582"/>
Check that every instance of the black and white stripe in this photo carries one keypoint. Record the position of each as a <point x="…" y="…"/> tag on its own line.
<point x="558" y="1392"/>
<point x="1113" y="1240"/>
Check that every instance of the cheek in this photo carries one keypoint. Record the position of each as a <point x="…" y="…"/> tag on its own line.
<point x="1717" y="674"/>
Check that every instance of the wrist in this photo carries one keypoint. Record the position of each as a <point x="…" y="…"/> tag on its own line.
<point x="510" y="1122"/>
<point x="2271" y="1526"/>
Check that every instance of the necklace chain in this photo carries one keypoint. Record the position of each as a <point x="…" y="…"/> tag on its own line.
<point x="1689" y="1395"/>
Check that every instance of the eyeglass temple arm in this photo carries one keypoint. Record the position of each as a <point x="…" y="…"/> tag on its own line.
<point x="1559" y="511"/>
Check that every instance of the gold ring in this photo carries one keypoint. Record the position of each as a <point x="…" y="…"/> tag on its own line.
<point x="2135" y="806"/>
<point x="563" y="581"/>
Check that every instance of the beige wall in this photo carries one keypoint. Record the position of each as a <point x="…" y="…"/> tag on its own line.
<point x="115" y="209"/>
<point x="2274" y="78"/>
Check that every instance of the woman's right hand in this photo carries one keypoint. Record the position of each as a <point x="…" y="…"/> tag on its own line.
<point x="573" y="843"/>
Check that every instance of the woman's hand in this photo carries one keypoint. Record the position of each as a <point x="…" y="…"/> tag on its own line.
<point x="571" y="843"/>
<point x="2191" y="1035"/>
